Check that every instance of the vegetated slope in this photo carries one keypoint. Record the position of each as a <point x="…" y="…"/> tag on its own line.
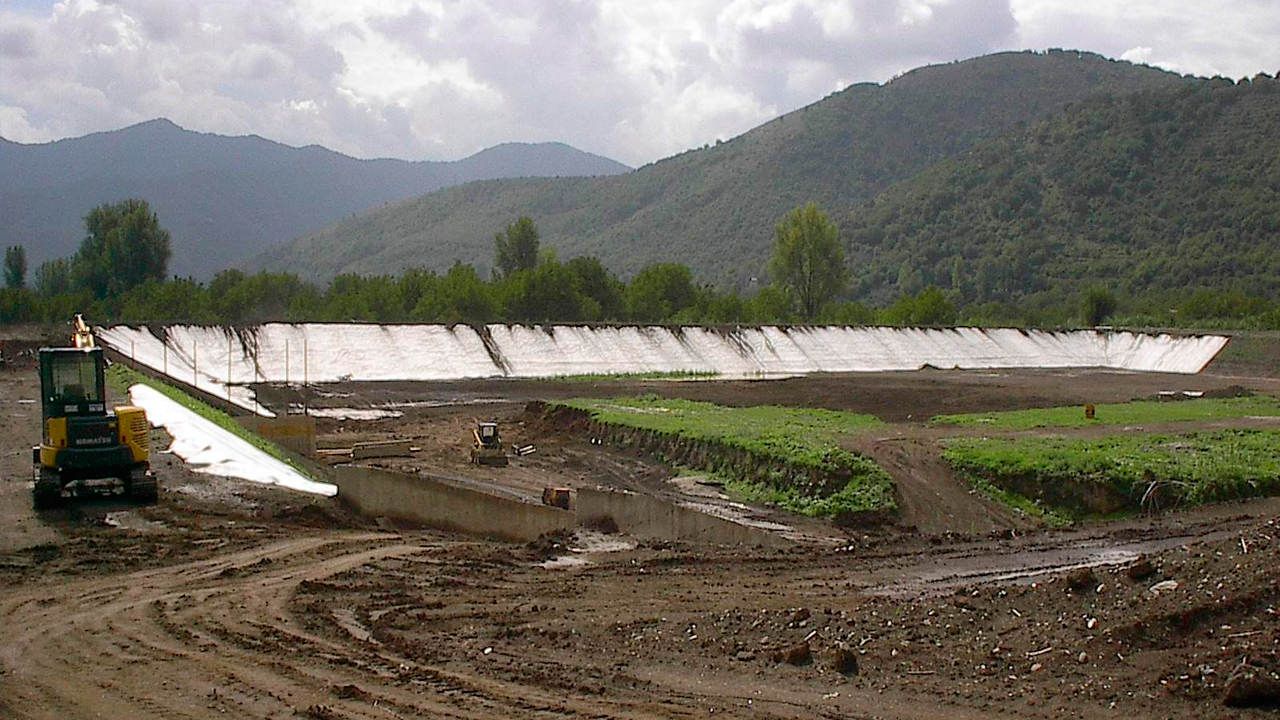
<point x="715" y="208"/>
<point x="227" y="198"/>
<point x="1164" y="189"/>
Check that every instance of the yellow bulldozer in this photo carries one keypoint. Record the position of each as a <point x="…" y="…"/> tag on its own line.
<point x="486" y="448"/>
<point x="85" y="446"/>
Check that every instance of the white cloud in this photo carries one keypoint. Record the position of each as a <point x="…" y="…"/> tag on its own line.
<point x="632" y="80"/>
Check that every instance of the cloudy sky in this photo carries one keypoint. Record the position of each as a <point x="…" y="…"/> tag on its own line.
<point x="636" y="80"/>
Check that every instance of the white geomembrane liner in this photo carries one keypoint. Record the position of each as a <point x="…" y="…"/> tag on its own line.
<point x="210" y="449"/>
<point x="220" y="360"/>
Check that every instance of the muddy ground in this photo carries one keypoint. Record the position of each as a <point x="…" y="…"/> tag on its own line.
<point x="229" y="599"/>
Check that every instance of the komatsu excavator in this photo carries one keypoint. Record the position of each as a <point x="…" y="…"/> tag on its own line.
<point x="86" y="446"/>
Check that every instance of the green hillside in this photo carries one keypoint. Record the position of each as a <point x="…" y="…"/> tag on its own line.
<point x="1160" y="190"/>
<point x="714" y="208"/>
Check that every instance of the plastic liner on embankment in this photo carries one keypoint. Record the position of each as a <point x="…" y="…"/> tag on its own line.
<point x="213" y="357"/>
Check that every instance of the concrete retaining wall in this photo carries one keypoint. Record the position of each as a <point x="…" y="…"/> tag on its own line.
<point x="431" y="502"/>
<point x="647" y="516"/>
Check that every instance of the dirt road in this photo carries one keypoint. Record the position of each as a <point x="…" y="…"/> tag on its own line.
<point x="360" y="624"/>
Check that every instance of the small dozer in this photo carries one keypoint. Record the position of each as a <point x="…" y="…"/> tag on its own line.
<point x="487" y="447"/>
<point x="86" y="446"/>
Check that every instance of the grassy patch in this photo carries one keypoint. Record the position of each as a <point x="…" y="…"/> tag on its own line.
<point x="803" y="438"/>
<point x="1130" y="413"/>
<point x="655" y="375"/>
<point x="122" y="378"/>
<point x="1080" y="478"/>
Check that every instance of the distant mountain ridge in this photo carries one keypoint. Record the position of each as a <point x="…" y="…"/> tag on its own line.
<point x="228" y="198"/>
<point x="715" y="208"/>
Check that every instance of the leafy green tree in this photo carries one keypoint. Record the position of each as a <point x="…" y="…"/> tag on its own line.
<point x="53" y="277"/>
<point x="15" y="267"/>
<point x="847" y="313"/>
<point x="930" y="307"/>
<point x="18" y="305"/>
<point x="770" y="306"/>
<point x="124" y="247"/>
<point x="600" y="287"/>
<point x="808" y="259"/>
<point x="516" y="247"/>
<point x="1097" y="305"/>
<point x="547" y="293"/>
<point x="179" y="300"/>
<point x="659" y="292"/>
<point x="459" y="297"/>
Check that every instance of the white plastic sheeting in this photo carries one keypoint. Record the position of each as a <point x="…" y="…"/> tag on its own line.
<point x="207" y="448"/>
<point x="210" y="357"/>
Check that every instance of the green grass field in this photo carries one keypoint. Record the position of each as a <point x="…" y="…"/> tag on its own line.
<point x="1082" y="477"/>
<point x="1130" y="413"/>
<point x="804" y="438"/>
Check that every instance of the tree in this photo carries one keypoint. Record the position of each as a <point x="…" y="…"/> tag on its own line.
<point x="124" y="247"/>
<point x="930" y="307"/>
<point x="15" y="267"/>
<point x="808" y="259"/>
<point x="601" y="288"/>
<point x="659" y="292"/>
<point x="459" y="296"/>
<point x="516" y="247"/>
<point x="1097" y="305"/>
<point x="53" y="277"/>
<point x="547" y="293"/>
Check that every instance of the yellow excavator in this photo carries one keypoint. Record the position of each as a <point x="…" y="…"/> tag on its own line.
<point x="85" y="446"/>
<point x="486" y="448"/>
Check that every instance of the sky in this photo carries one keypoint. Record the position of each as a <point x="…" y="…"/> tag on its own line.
<point x="634" y="80"/>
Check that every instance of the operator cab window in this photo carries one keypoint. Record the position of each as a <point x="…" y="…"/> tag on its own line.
<point x="75" y="379"/>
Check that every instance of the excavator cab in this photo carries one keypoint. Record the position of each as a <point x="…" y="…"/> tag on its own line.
<point x="84" y="443"/>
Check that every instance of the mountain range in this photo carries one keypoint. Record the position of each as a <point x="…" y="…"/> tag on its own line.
<point x="715" y="208"/>
<point x="223" y="198"/>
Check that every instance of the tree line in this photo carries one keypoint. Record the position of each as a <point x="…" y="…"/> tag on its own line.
<point x="119" y="275"/>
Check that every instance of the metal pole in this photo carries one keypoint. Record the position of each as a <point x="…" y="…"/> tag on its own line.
<point x="228" y="368"/>
<point x="306" y="396"/>
<point x="286" y="362"/>
<point x="257" y="378"/>
<point x="195" y="365"/>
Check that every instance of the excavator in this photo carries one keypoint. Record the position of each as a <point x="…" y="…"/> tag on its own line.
<point x="85" y="446"/>
<point x="486" y="448"/>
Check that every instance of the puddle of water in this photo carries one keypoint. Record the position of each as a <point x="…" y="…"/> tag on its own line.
<point x="354" y="413"/>
<point x="563" y="562"/>
<point x="1026" y="567"/>
<point x="584" y="544"/>
<point x="442" y="403"/>
<point x="592" y="541"/>
<point x="130" y="520"/>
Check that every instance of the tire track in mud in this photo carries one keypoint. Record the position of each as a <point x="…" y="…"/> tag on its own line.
<point x="216" y="637"/>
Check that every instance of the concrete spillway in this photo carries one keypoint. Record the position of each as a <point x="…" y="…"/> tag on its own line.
<point x="221" y="360"/>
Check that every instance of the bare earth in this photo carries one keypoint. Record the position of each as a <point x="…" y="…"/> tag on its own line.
<point x="231" y="600"/>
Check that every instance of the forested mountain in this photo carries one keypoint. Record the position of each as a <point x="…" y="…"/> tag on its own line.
<point x="227" y="198"/>
<point x="715" y="208"/>
<point x="1163" y="189"/>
